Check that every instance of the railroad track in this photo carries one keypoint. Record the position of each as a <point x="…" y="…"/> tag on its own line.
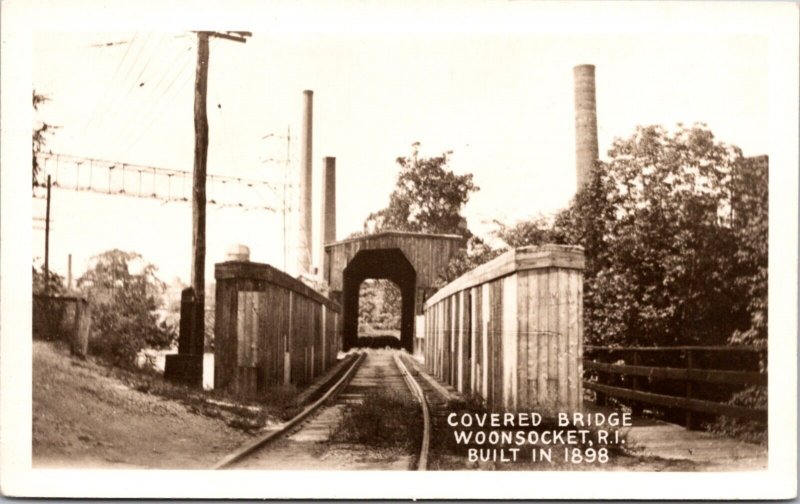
<point x="295" y="444"/>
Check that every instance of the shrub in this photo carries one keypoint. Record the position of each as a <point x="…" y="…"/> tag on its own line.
<point x="124" y="293"/>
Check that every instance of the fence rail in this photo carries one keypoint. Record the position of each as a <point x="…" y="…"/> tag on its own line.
<point x="625" y="377"/>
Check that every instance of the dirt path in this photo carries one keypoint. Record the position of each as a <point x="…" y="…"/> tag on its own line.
<point x="84" y="418"/>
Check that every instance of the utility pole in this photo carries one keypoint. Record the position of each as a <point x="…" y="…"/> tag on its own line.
<point x="199" y="183"/>
<point x="187" y="365"/>
<point x="198" y="283"/>
<point x="47" y="242"/>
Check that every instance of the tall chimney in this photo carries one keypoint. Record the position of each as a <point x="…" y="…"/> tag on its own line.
<point x="586" y="150"/>
<point x="328" y="205"/>
<point x="304" y="236"/>
<point x="329" y="201"/>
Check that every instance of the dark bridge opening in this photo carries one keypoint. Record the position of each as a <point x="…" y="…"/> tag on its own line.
<point x="388" y="264"/>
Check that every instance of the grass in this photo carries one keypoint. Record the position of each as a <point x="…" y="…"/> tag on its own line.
<point x="249" y="413"/>
<point x="386" y="419"/>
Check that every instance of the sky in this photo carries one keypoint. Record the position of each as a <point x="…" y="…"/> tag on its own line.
<point x="501" y="101"/>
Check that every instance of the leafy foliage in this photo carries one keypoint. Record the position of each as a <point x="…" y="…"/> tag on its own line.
<point x="427" y="198"/>
<point x="476" y="253"/>
<point x="56" y="281"/>
<point x="379" y="306"/>
<point x="124" y="293"/>
<point x="750" y="221"/>
<point x="674" y="229"/>
<point x="39" y="139"/>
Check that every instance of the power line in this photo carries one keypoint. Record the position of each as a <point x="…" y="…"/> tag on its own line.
<point x="119" y="97"/>
<point x="113" y="79"/>
<point x="154" y="110"/>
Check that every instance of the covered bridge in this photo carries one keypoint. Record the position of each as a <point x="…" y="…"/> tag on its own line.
<point x="413" y="261"/>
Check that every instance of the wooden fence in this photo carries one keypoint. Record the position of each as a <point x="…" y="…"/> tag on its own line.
<point x="690" y="379"/>
<point x="270" y="329"/>
<point x="511" y="330"/>
<point x="65" y="318"/>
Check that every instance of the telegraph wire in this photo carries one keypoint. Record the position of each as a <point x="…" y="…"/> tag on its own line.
<point x="119" y="97"/>
<point x="153" y="93"/>
<point x="155" y="51"/>
<point x="154" y="111"/>
<point x="110" y="83"/>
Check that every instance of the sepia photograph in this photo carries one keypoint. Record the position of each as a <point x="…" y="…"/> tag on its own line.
<point x="344" y="250"/>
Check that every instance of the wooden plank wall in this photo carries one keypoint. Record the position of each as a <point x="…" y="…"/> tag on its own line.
<point x="515" y="341"/>
<point x="428" y="254"/>
<point x="265" y="333"/>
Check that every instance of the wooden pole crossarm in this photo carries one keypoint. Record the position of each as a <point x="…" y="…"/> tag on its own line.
<point x="234" y="36"/>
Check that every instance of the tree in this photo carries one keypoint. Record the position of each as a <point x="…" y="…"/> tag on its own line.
<point x="666" y="278"/>
<point x="536" y="231"/>
<point x="124" y="293"/>
<point x="56" y="281"/>
<point x="427" y="198"/>
<point x="750" y="222"/>
<point x="476" y="253"/>
<point x="666" y="263"/>
<point x="379" y="306"/>
<point x="40" y="134"/>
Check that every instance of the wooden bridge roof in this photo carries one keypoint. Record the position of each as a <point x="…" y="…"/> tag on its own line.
<point x="429" y="254"/>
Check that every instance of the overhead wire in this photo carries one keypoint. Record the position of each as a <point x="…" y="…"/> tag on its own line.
<point x="108" y="88"/>
<point x="121" y="98"/>
<point x="153" y="110"/>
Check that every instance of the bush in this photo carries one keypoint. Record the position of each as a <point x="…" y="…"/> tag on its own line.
<point x="746" y="430"/>
<point x="124" y="293"/>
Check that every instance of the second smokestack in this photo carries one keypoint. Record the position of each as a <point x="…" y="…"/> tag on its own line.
<point x="328" y="207"/>
<point x="586" y="149"/>
<point x="306" y="134"/>
<point x="329" y="201"/>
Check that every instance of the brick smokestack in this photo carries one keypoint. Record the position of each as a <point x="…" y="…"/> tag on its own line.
<point x="586" y="150"/>
<point x="304" y="236"/>
<point x="329" y="200"/>
<point x="328" y="206"/>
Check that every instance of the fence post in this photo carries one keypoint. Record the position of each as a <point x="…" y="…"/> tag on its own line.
<point x="636" y="406"/>
<point x="690" y="420"/>
<point x="600" y="398"/>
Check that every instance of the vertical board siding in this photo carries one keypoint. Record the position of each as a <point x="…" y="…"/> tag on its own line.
<point x="573" y="377"/>
<point x="532" y="336"/>
<point x="542" y="336"/>
<point x="485" y="314"/>
<point x="515" y="339"/>
<point x="562" y="299"/>
<point x="509" y="338"/>
<point x="553" y="336"/>
<point x="267" y="334"/>
<point x="473" y="333"/>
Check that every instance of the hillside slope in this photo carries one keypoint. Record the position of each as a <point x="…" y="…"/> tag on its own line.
<point x="85" y="417"/>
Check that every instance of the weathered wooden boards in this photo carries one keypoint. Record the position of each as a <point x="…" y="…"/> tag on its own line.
<point x="66" y="318"/>
<point x="429" y="254"/>
<point x="511" y="330"/>
<point x="270" y="329"/>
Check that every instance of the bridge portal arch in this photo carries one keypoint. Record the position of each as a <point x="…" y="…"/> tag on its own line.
<point x="389" y="264"/>
<point x="413" y="261"/>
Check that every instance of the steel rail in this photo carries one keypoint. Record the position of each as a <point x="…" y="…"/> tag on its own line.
<point x="246" y="450"/>
<point x="416" y="389"/>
